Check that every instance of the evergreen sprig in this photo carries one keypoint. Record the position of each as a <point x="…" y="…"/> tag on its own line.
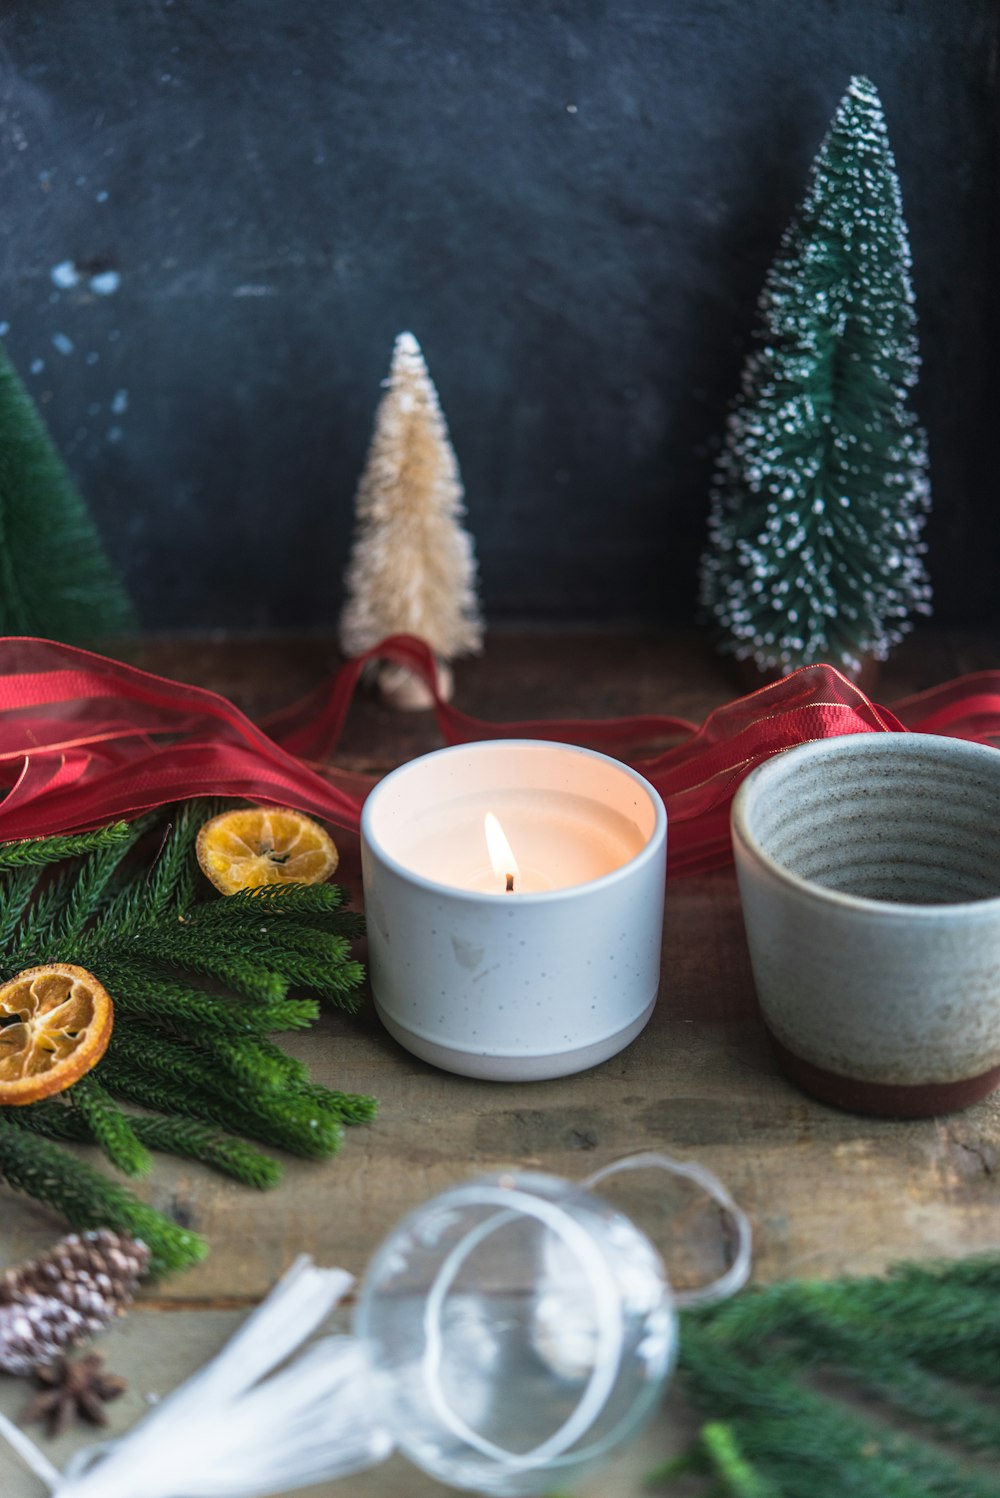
<point x="15" y="897"/>
<point x="200" y="1061"/>
<point x="36" y="852"/>
<point x="87" y="1199"/>
<point x="268" y="948"/>
<point x="298" y="1129"/>
<point x="110" y="1128"/>
<point x="769" y="1369"/>
<point x="174" y="1136"/>
<point x="141" y="990"/>
<point x="86" y="893"/>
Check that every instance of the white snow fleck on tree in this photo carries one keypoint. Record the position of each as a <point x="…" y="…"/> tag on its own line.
<point x="412" y="569"/>
<point x="821" y="491"/>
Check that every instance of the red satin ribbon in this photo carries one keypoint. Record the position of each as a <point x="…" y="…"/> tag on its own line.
<point x="84" y="740"/>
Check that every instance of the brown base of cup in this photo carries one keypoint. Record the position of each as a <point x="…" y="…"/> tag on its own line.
<point x="885" y="1100"/>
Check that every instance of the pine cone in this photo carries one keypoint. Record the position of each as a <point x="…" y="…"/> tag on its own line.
<point x="61" y="1297"/>
<point x="37" y="1331"/>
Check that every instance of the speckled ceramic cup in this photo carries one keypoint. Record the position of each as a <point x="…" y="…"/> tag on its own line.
<point x="549" y="979"/>
<point x="869" y="872"/>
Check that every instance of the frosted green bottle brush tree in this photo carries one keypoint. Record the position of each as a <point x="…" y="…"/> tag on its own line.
<point x="821" y="492"/>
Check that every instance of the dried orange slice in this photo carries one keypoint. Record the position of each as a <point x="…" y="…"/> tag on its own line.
<point x="55" y="1024"/>
<point x="244" y="849"/>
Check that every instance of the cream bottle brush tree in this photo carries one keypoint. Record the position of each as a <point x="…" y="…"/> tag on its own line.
<point x="412" y="569"/>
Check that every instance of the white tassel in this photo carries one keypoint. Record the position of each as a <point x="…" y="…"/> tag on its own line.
<point x="233" y="1432"/>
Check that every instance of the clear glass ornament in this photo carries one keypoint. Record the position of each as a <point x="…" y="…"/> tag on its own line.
<point x="509" y="1334"/>
<point x="520" y="1328"/>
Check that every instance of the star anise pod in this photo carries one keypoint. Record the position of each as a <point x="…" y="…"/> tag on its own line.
<point x="82" y="1388"/>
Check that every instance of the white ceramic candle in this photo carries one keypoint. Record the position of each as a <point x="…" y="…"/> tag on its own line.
<point x="544" y="979"/>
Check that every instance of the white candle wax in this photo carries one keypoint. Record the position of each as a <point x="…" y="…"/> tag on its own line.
<point x="550" y="977"/>
<point x="558" y="839"/>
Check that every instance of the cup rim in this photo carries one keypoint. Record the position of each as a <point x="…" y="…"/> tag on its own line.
<point x="650" y="851"/>
<point x="871" y="741"/>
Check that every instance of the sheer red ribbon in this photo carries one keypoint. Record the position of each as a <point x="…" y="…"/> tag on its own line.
<point x="84" y="740"/>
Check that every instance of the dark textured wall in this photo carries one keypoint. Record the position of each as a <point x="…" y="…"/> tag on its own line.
<point x="572" y="205"/>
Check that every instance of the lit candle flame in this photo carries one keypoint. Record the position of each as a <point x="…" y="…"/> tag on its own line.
<point x="501" y="854"/>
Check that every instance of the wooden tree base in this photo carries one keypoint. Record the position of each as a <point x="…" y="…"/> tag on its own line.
<point x="399" y="688"/>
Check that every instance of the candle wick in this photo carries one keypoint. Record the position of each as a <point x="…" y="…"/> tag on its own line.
<point x="510" y="884"/>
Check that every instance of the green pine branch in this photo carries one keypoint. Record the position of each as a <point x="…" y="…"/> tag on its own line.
<point x="289" y="1071"/>
<point x="261" y="984"/>
<point x="282" y="901"/>
<point x="169" y="882"/>
<point x="312" y="906"/>
<point x="172" y="872"/>
<point x="921" y="1311"/>
<point x="215" y="958"/>
<point x="15" y="896"/>
<point x="135" y="910"/>
<point x="87" y="1199"/>
<point x="86" y="894"/>
<point x="806" y="1443"/>
<point x="194" y="1140"/>
<point x="350" y="1107"/>
<point x="287" y="1123"/>
<point x="140" y="989"/>
<point x="32" y="934"/>
<point x="270" y="957"/>
<point x="110" y="1128"/>
<point x="924" y="1341"/>
<point x="35" y="853"/>
<point x="215" y="1071"/>
<point x="737" y="1476"/>
<point x="274" y="1110"/>
<point x="173" y="1136"/>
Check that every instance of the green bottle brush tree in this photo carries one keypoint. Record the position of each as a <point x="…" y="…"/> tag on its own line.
<point x="821" y="491"/>
<point x="56" y="579"/>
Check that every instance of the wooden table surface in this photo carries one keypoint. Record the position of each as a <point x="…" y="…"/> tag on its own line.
<point x="829" y="1193"/>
